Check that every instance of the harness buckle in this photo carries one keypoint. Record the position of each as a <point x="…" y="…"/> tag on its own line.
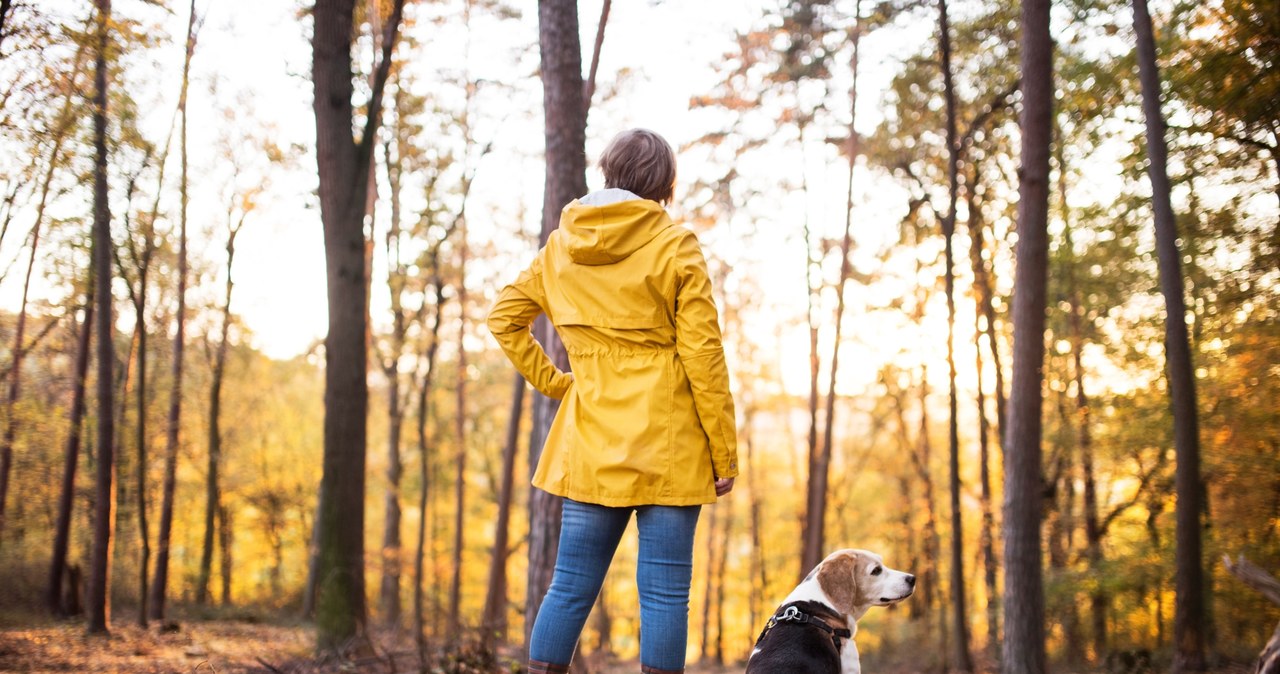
<point x="792" y="614"/>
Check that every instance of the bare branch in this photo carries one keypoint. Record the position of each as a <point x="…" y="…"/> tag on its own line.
<point x="1254" y="576"/>
<point x="589" y="87"/>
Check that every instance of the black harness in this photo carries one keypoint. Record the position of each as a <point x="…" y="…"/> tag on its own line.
<point x="791" y="613"/>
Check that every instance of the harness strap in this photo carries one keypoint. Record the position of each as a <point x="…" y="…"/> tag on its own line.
<point x="792" y="613"/>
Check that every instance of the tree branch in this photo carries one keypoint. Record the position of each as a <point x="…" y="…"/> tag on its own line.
<point x="364" y="151"/>
<point x="589" y="87"/>
<point x="999" y="102"/>
<point x="1254" y="576"/>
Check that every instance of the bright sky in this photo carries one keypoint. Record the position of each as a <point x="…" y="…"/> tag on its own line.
<point x="254" y="61"/>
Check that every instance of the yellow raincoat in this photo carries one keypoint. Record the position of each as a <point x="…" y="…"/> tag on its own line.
<point x="647" y="417"/>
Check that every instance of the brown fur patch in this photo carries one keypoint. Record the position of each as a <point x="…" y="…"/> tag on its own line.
<point x="838" y="577"/>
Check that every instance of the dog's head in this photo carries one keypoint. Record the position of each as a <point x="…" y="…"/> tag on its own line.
<point x="856" y="580"/>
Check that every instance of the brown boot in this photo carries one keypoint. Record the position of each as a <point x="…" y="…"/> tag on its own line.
<point x="536" y="667"/>
<point x="645" y="669"/>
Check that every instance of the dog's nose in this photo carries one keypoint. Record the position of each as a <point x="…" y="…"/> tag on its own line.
<point x="911" y="580"/>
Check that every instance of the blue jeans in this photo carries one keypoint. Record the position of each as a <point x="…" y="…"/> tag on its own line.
<point x="589" y="536"/>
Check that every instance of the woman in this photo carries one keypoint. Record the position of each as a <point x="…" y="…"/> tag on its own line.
<point x="646" y="424"/>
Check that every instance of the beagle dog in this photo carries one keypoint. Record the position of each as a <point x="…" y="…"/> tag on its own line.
<point x="812" y="631"/>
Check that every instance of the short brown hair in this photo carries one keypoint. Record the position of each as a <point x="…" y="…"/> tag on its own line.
<point x="641" y="162"/>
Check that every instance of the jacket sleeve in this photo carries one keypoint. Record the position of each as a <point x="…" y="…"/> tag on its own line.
<point x="700" y="350"/>
<point x="509" y="319"/>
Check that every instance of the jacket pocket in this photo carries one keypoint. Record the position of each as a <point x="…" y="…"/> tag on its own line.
<point x="616" y="320"/>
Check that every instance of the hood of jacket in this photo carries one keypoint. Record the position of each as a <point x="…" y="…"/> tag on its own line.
<point x="607" y="226"/>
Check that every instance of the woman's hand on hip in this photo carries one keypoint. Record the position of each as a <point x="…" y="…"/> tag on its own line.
<point x="724" y="485"/>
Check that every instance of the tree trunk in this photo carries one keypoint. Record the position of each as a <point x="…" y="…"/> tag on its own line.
<point x="343" y="166"/>
<point x="71" y="458"/>
<point x="213" y="494"/>
<point x="100" y="556"/>
<point x="987" y="538"/>
<point x="566" y="179"/>
<point x="1024" y="639"/>
<point x="494" y="622"/>
<point x="140" y="440"/>
<point x="933" y="540"/>
<point x="1084" y="439"/>
<point x="225" y="538"/>
<point x="424" y="397"/>
<point x="159" y="579"/>
<point x="810" y="554"/>
<point x="389" y="591"/>
<point x="460" y="431"/>
<point x="708" y="597"/>
<point x="1189" y="615"/>
<point x="961" y="660"/>
<point x="816" y="512"/>
<point x="758" y="568"/>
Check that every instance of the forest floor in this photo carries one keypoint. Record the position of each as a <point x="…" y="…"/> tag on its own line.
<point x="248" y="645"/>
<point x="223" y="646"/>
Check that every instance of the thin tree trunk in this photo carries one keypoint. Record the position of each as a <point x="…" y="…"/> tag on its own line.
<point x="961" y="660"/>
<point x="140" y="427"/>
<point x="1084" y="440"/>
<point x="565" y="122"/>
<point x="758" y="568"/>
<point x="708" y="597"/>
<point x="494" y="623"/>
<point x="720" y="563"/>
<point x="810" y="554"/>
<point x="71" y="458"/>
<point x="343" y="166"/>
<point x="160" y="578"/>
<point x="1024" y="639"/>
<point x="589" y="88"/>
<point x="424" y="397"/>
<point x="933" y="540"/>
<point x="987" y="537"/>
<point x="213" y="493"/>
<point x="389" y="592"/>
<point x="815" y="524"/>
<point x="460" y="431"/>
<point x="100" y="556"/>
<point x="225" y="538"/>
<point x="1189" y="615"/>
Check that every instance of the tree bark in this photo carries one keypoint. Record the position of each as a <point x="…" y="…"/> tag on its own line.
<point x="343" y="166"/>
<point x="71" y="459"/>
<point x="566" y="179"/>
<point x="1024" y="640"/>
<point x="100" y="556"/>
<point x="961" y="660"/>
<point x="160" y="578"/>
<point x="1190" y="619"/>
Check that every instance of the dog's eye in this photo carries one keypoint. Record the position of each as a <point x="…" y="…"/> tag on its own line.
<point x="875" y="571"/>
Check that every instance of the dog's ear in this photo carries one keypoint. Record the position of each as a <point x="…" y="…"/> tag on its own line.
<point x="837" y="576"/>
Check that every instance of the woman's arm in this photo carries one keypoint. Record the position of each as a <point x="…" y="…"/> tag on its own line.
<point x="509" y="319"/>
<point x="700" y="350"/>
